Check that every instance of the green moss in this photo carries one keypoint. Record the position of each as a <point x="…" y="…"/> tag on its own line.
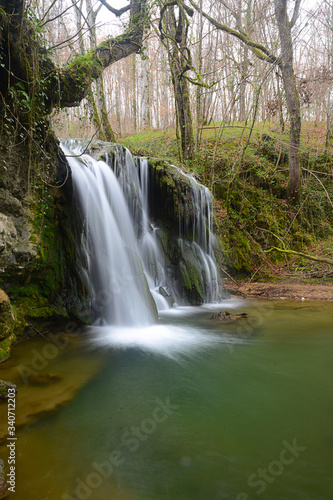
<point x="5" y="346"/>
<point x="191" y="282"/>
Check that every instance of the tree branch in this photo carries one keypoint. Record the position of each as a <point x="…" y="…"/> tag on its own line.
<point x="305" y="255"/>
<point x="116" y="12"/>
<point x="259" y="50"/>
<point x="75" y="79"/>
<point x="296" y="13"/>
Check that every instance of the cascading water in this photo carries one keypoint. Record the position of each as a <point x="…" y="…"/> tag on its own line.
<point x="202" y="244"/>
<point x="121" y="254"/>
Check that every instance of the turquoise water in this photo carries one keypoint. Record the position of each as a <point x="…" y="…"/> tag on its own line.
<point x="191" y="409"/>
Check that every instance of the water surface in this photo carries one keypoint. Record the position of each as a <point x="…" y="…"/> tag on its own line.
<point x="190" y="409"/>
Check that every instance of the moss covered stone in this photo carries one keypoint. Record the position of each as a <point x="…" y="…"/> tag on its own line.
<point x="5" y="346"/>
<point x="7" y="316"/>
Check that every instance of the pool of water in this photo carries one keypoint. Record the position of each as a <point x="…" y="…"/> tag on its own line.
<point x="190" y="409"/>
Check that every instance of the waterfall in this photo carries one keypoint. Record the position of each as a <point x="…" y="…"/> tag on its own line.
<point x="122" y="258"/>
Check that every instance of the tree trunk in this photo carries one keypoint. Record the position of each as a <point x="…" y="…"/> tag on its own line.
<point x="134" y="105"/>
<point x="178" y="65"/>
<point x="182" y="101"/>
<point x="242" y="87"/>
<point x="118" y="109"/>
<point x="105" y="122"/>
<point x="199" y="106"/>
<point x="145" y="118"/>
<point x="104" y="126"/>
<point x="293" y="103"/>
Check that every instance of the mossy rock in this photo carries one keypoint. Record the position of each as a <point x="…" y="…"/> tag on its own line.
<point x="226" y="316"/>
<point x="191" y="279"/>
<point x="5" y="346"/>
<point x="7" y="316"/>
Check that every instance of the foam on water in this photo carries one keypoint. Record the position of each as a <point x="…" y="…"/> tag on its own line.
<point x="165" y="340"/>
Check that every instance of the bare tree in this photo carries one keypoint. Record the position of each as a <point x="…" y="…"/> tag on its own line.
<point x="174" y="31"/>
<point x="285" y="62"/>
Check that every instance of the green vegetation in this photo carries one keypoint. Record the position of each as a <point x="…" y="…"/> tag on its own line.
<point x="248" y="174"/>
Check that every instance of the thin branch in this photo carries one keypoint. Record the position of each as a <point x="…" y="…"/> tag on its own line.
<point x="322" y="185"/>
<point x="59" y="15"/>
<point x="32" y="326"/>
<point x="69" y="39"/>
<point x="48" y="10"/>
<point x="232" y="279"/>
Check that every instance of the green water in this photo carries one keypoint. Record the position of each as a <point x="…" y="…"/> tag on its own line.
<point x="209" y="411"/>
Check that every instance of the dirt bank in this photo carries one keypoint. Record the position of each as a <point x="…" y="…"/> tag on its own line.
<point x="277" y="290"/>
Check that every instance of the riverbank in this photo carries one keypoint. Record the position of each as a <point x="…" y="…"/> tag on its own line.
<point x="279" y="290"/>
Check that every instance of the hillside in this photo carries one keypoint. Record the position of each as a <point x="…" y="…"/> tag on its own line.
<point x="247" y="171"/>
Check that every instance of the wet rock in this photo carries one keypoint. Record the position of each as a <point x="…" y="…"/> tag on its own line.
<point x="9" y="204"/>
<point x="8" y="233"/>
<point x="16" y="247"/>
<point x="24" y="254"/>
<point x="227" y="316"/>
<point x="163" y="291"/>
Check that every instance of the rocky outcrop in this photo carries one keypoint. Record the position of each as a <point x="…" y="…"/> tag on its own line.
<point x="175" y="204"/>
<point x="170" y="184"/>
<point x="16" y="247"/>
<point x="37" y="253"/>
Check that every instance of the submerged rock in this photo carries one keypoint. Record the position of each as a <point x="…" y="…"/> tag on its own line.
<point x="227" y="316"/>
<point x="44" y="378"/>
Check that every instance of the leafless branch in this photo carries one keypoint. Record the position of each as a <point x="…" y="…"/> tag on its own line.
<point x="116" y="12"/>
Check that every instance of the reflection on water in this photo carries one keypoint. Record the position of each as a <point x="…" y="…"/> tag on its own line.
<point x="192" y="408"/>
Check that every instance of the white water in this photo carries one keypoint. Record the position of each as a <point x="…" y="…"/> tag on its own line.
<point x="121" y="255"/>
<point x="165" y="340"/>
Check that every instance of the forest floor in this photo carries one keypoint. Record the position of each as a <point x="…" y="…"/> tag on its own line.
<point x="286" y="280"/>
